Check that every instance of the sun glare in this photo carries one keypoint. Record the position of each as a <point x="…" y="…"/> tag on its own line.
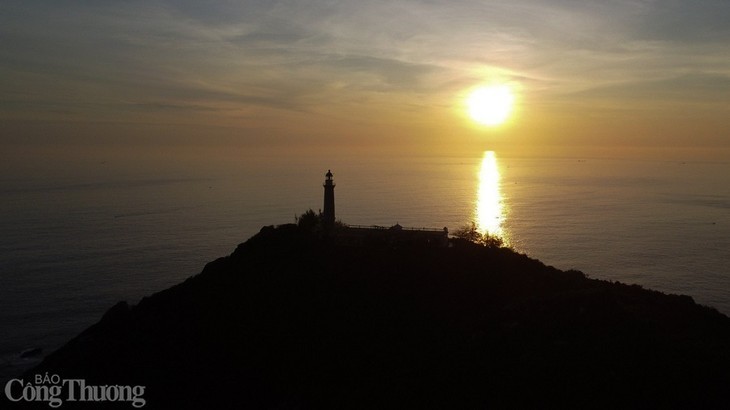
<point x="490" y="210"/>
<point x="490" y="105"/>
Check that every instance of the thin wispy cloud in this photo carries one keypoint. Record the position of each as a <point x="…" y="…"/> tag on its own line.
<point x="315" y="56"/>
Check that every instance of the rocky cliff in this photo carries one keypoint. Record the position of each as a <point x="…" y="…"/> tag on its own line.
<point x="290" y="320"/>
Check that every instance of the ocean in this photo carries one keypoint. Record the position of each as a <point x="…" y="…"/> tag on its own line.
<point x="73" y="244"/>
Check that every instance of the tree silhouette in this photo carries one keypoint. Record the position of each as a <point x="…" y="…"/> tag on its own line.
<point x="309" y="221"/>
<point x="471" y="233"/>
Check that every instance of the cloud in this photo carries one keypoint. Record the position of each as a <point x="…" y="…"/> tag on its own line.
<point x="683" y="90"/>
<point x="687" y="22"/>
<point x="78" y="58"/>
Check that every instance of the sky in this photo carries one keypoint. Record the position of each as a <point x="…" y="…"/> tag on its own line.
<point x="190" y="75"/>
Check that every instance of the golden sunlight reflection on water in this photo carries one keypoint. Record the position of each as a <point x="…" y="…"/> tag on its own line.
<point x="490" y="209"/>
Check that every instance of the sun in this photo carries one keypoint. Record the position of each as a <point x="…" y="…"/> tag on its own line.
<point x="490" y="105"/>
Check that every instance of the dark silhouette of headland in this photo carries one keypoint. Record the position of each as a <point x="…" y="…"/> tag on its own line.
<point x="296" y="319"/>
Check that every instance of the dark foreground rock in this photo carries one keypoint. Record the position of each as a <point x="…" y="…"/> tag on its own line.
<point x="291" y="321"/>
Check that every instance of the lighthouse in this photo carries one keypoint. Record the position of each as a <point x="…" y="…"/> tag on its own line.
<point x="328" y="215"/>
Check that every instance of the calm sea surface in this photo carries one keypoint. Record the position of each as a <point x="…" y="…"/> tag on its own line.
<point x="72" y="246"/>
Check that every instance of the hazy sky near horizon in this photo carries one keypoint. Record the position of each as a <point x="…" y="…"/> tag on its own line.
<point x="362" y="73"/>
